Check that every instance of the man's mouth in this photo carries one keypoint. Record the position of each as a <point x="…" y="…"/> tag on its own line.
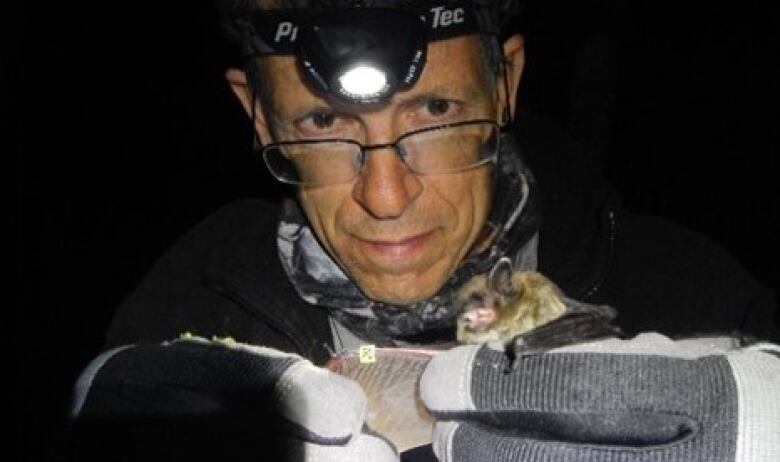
<point x="398" y="249"/>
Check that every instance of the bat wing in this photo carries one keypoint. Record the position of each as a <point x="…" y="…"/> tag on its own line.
<point x="580" y="323"/>
<point x="576" y="306"/>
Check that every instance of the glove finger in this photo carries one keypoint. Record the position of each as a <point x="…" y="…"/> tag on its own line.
<point x="325" y="407"/>
<point x="471" y="377"/>
<point x="187" y="439"/>
<point x="364" y="447"/>
<point x="445" y="385"/>
<point x="466" y="382"/>
<point x="470" y="442"/>
<point x="464" y="441"/>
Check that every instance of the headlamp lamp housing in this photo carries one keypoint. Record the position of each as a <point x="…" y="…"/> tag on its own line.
<point x="362" y="55"/>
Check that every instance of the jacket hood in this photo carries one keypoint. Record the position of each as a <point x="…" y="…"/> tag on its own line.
<point x="578" y="221"/>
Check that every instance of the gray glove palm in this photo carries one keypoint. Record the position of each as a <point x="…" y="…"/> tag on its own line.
<point x="643" y="399"/>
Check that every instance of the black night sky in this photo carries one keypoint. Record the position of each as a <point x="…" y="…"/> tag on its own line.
<point x="123" y="135"/>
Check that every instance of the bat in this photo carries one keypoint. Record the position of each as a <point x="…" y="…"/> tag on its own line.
<point x="522" y="310"/>
<point x="526" y="312"/>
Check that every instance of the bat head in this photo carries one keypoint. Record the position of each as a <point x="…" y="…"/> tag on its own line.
<point x="481" y="301"/>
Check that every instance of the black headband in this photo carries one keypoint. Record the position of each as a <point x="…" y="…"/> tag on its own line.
<point x="363" y="52"/>
<point x="274" y="32"/>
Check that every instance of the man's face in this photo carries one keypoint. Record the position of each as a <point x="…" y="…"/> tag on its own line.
<point x="398" y="234"/>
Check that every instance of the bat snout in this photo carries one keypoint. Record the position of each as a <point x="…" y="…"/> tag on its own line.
<point x="478" y="318"/>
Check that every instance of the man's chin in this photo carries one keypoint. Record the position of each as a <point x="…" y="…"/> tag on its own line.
<point x="402" y="291"/>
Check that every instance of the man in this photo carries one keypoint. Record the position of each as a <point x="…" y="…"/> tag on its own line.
<point x="413" y="172"/>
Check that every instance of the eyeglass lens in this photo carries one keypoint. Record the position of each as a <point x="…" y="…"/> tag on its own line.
<point x="437" y="150"/>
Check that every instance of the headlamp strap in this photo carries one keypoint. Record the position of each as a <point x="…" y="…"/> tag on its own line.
<point x="274" y="32"/>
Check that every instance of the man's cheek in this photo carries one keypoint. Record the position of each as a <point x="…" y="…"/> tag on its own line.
<point x="321" y="210"/>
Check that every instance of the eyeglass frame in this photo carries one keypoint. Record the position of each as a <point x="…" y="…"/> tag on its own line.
<point x="371" y="147"/>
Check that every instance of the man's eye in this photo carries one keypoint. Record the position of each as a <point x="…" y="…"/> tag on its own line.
<point x="323" y="120"/>
<point x="437" y="107"/>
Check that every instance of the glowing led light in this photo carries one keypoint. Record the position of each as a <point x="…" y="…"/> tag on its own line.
<point x="363" y="80"/>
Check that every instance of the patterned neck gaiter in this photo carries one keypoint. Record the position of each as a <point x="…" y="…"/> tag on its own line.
<point x="319" y="280"/>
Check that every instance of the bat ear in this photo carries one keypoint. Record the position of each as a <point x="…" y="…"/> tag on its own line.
<point x="500" y="278"/>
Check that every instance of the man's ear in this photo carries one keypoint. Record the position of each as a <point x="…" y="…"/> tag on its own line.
<point x="514" y="60"/>
<point x="237" y="80"/>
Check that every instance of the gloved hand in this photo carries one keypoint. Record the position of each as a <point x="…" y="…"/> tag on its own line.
<point x="194" y="399"/>
<point x="649" y="398"/>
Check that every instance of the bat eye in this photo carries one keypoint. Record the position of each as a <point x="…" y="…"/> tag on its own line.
<point x="476" y="297"/>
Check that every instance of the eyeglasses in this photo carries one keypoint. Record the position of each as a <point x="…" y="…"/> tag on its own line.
<point x="441" y="149"/>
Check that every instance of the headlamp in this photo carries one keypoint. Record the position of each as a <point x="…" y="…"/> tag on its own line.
<point x="348" y="53"/>
<point x="363" y="54"/>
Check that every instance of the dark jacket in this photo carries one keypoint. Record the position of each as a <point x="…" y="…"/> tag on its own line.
<point x="224" y="277"/>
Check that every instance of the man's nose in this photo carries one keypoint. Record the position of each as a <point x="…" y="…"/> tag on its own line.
<point x="386" y="186"/>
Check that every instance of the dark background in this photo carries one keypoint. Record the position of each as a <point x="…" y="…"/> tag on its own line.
<point x="123" y="135"/>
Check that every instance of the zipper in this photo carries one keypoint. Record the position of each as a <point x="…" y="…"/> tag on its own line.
<point x="611" y="235"/>
<point x="249" y="307"/>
